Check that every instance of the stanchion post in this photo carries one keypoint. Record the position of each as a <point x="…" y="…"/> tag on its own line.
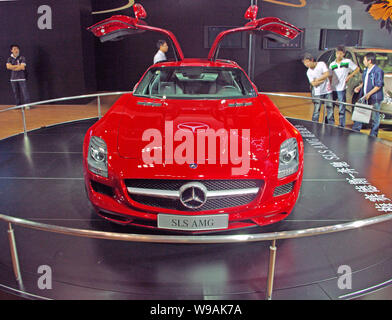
<point x="324" y="106"/>
<point x="24" y="120"/>
<point x="271" y="270"/>
<point x="14" y="253"/>
<point x="99" y="107"/>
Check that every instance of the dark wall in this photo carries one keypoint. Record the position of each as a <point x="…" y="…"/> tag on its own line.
<point x="283" y="68"/>
<point x="61" y="60"/>
<point x="120" y="64"/>
<point x="68" y="60"/>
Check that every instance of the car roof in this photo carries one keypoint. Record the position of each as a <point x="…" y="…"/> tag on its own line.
<point x="362" y="49"/>
<point x="198" y="63"/>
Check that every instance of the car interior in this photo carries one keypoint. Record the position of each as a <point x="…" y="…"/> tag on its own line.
<point x="172" y="82"/>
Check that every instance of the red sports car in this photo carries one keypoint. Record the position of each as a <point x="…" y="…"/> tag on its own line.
<point x="194" y="147"/>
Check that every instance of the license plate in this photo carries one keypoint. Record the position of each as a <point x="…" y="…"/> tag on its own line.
<point x="193" y="223"/>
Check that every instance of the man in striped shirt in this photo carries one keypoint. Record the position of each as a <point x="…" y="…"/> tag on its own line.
<point x="17" y="64"/>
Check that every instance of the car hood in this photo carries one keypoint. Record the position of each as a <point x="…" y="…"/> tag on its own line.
<point x="145" y="121"/>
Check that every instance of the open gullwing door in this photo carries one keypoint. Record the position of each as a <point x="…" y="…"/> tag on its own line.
<point x="119" y="26"/>
<point x="269" y="27"/>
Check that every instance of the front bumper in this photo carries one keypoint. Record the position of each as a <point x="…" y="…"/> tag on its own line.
<point x="274" y="202"/>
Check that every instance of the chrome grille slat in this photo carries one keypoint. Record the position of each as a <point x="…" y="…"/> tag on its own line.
<point x="211" y="204"/>
<point x="156" y="193"/>
<point x="171" y="194"/>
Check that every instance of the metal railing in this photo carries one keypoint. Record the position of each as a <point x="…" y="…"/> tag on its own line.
<point x="200" y="239"/>
<point x="361" y="106"/>
<point x="99" y="95"/>
<point x="22" y="107"/>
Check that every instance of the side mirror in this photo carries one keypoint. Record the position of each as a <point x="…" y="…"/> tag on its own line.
<point x="251" y="13"/>
<point x="140" y="12"/>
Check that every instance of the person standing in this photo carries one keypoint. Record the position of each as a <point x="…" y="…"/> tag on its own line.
<point x="342" y="70"/>
<point x="318" y="75"/>
<point x="162" y="49"/>
<point x="17" y="64"/>
<point x="371" y="89"/>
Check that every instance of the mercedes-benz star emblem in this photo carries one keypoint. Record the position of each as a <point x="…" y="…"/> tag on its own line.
<point x="193" y="195"/>
<point x="193" y="126"/>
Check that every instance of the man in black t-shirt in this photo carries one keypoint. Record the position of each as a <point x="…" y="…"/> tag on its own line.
<point x="17" y="64"/>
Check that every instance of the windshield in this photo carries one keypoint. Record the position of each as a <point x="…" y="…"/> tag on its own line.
<point x="384" y="60"/>
<point x="195" y="83"/>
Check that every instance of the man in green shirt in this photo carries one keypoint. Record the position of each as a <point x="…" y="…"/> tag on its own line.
<point x="342" y="70"/>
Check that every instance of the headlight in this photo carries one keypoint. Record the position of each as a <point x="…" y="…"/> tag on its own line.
<point x="97" y="157"/>
<point x="288" y="158"/>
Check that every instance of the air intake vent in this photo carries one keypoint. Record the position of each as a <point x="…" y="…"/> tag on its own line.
<point x="284" y="189"/>
<point x="101" y="188"/>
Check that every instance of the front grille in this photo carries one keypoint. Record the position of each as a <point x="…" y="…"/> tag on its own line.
<point x="386" y="116"/>
<point x="212" y="203"/>
<point x="284" y="189"/>
<point x="177" y="184"/>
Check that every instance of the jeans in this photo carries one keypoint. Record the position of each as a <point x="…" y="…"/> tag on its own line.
<point x="375" y="121"/>
<point x="341" y="97"/>
<point x="317" y="106"/>
<point x="19" y="88"/>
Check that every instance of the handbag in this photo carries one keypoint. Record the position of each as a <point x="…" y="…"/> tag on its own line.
<point x="361" y="114"/>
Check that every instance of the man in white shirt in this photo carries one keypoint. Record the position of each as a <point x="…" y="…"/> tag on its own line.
<point x="342" y="70"/>
<point x="162" y="49"/>
<point x="318" y="75"/>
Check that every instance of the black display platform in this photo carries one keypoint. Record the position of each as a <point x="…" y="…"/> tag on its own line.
<point x="41" y="180"/>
